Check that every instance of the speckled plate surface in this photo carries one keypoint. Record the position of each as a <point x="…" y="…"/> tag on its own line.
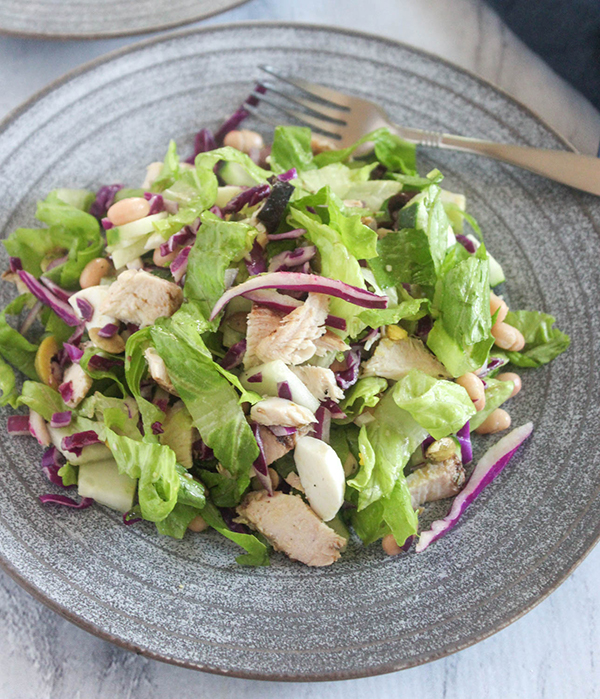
<point x="187" y="602"/>
<point x="94" y="19"/>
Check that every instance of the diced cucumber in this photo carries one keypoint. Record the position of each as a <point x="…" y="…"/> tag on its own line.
<point x="129" y="232"/>
<point x="453" y="201"/>
<point x="122" y="255"/>
<point x="177" y="433"/>
<point x="102" y="481"/>
<point x="89" y="454"/>
<point x="128" y="193"/>
<point x="273" y="373"/>
<point x="235" y="174"/>
<point x="79" y="198"/>
<point x="226" y="194"/>
<point x="496" y="271"/>
<point x="414" y="214"/>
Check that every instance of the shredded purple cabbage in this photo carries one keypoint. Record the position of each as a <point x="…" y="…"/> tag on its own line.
<point x="235" y="355"/>
<point x="52" y="462"/>
<point x="202" y="451"/>
<point x="179" y="265"/>
<point x="74" y="353"/>
<point x="292" y="258"/>
<point x="336" y="412"/>
<point x="349" y="376"/>
<point x="85" y="308"/>
<point x="260" y="465"/>
<point x="204" y="141"/>
<point x="51" y="499"/>
<point x="61" y="419"/>
<point x="467" y="244"/>
<point x="157" y="203"/>
<point x="281" y="431"/>
<point x="131" y="518"/>
<point x="181" y="238"/>
<point x="321" y="429"/>
<point x="248" y="197"/>
<point x="157" y="428"/>
<point x="287" y="176"/>
<point x="105" y="198"/>
<point x="255" y="378"/>
<point x="464" y="438"/>
<point x="15" y="264"/>
<point x="283" y="390"/>
<point x="18" y="425"/>
<point x="255" y="260"/>
<point x="288" y="235"/>
<point x="109" y="330"/>
<point x="100" y="363"/>
<point x="55" y="289"/>
<point x="76" y="442"/>
<point x="66" y="391"/>
<point x="61" y="308"/>
<point x="493" y="364"/>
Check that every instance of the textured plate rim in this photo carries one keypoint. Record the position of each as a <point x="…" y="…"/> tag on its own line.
<point x="115" y="34"/>
<point x="358" y="673"/>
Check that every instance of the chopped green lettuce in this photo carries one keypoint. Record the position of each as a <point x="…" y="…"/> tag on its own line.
<point x="169" y="170"/>
<point x="291" y="148"/>
<point x="388" y="443"/>
<point x="42" y="399"/>
<point x="543" y="342"/>
<point x="456" y="359"/>
<point x="365" y="393"/>
<point x="257" y="552"/>
<point x="496" y="393"/>
<point x="441" y="407"/>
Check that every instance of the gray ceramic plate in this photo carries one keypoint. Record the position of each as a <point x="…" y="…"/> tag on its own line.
<point x="90" y="19"/>
<point x="187" y="602"/>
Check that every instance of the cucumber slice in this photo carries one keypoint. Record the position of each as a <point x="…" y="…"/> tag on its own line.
<point x="226" y="194"/>
<point x="129" y="232"/>
<point x="235" y="174"/>
<point x="177" y="433"/>
<point x="79" y="198"/>
<point x="89" y="454"/>
<point x="451" y="202"/>
<point x="128" y="253"/>
<point x="496" y="271"/>
<point x="102" y="481"/>
<point x="273" y="373"/>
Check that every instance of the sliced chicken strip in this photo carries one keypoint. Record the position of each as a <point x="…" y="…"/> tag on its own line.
<point x="291" y="527"/>
<point x="279" y="411"/>
<point x="436" y="481"/>
<point x="319" y="381"/>
<point x="393" y="359"/>
<point x="261" y="322"/>
<point x="330" y="342"/>
<point x="293" y="341"/>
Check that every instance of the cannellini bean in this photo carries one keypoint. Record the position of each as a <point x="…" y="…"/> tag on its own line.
<point x="197" y="524"/>
<point x="495" y="422"/>
<point x="515" y="378"/>
<point x="505" y="336"/>
<point x="473" y="385"/>
<point x="389" y="545"/>
<point x="497" y="304"/>
<point x="275" y="480"/>
<point x="43" y="361"/>
<point x="165" y="261"/>
<point x="244" y="140"/>
<point x="519" y="343"/>
<point x="94" y="271"/>
<point x="128" y="210"/>
<point x="114" y="344"/>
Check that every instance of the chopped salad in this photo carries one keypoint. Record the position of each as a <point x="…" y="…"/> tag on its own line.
<point x="283" y="343"/>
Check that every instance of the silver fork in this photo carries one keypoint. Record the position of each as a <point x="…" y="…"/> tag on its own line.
<point x="344" y="119"/>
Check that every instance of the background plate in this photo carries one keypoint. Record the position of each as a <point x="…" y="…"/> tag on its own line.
<point x="188" y="602"/>
<point x="96" y="19"/>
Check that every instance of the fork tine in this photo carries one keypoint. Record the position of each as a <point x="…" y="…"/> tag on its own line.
<point x="337" y="99"/>
<point x="326" y="113"/>
<point x="325" y="127"/>
<point x="261" y="117"/>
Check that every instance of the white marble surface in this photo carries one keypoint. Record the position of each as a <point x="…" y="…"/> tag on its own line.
<point x="550" y="653"/>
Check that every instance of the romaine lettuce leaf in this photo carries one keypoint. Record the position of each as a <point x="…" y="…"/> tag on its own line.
<point x="15" y="348"/>
<point x="410" y="309"/>
<point x="225" y="491"/>
<point x="154" y="466"/>
<point x="496" y="393"/>
<point x="175" y="524"/>
<point x="8" y="391"/>
<point x="42" y="399"/>
<point x="392" y="512"/>
<point x="218" y="245"/>
<point x="337" y="176"/>
<point x="191" y="492"/>
<point x="386" y="446"/>
<point x="441" y="407"/>
<point x="365" y="393"/>
<point x="135" y="370"/>
<point x="464" y="300"/>
<point x="543" y="342"/>
<point x="258" y="553"/>
<point x="169" y="170"/>
<point x="208" y="395"/>
<point x="456" y="359"/>
<point x="291" y="148"/>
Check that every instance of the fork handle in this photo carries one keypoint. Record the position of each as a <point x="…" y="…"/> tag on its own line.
<point x="572" y="169"/>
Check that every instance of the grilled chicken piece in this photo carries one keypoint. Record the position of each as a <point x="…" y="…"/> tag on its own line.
<point x="261" y="322"/>
<point x="291" y="527"/>
<point x="319" y="381"/>
<point x="280" y="411"/>
<point x="158" y="370"/>
<point x="436" y="481"/>
<point x="275" y="447"/>
<point x="290" y="337"/>
<point x="140" y="298"/>
<point x="80" y="383"/>
<point x="393" y="359"/>
<point x="330" y="342"/>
